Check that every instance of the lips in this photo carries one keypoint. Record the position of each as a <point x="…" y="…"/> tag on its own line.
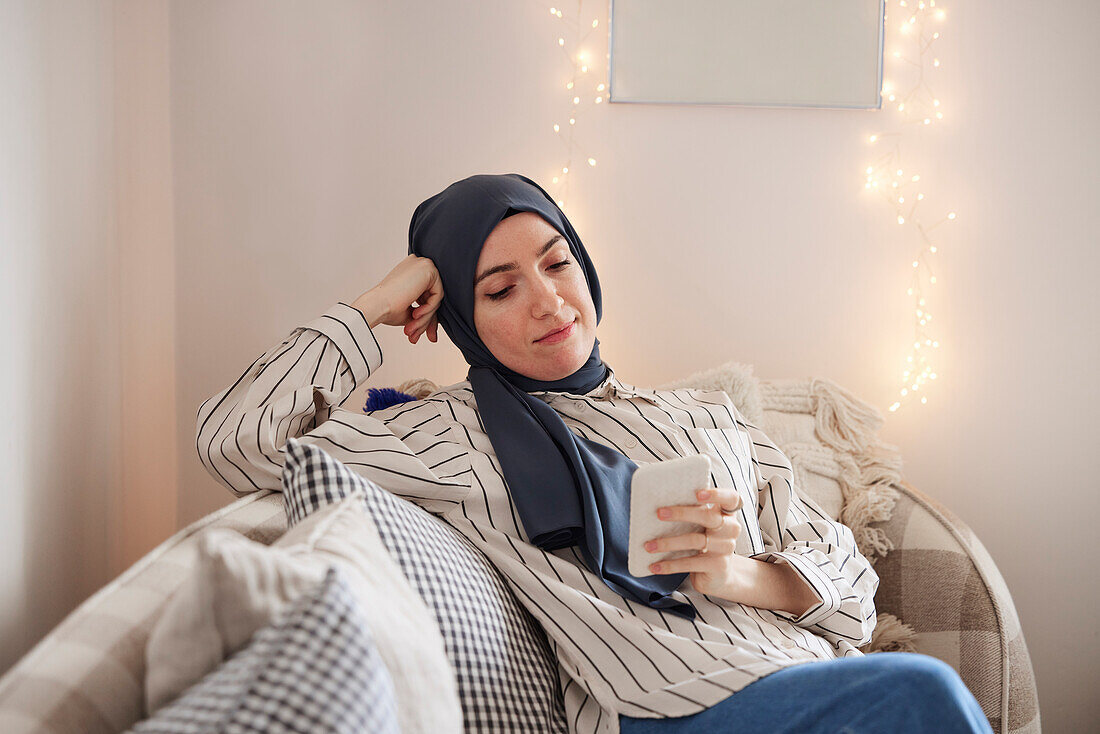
<point x="557" y="330"/>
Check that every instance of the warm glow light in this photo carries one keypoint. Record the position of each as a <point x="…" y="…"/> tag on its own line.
<point x="915" y="103"/>
<point x="581" y="67"/>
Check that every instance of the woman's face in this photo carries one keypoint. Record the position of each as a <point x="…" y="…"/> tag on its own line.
<point x="527" y="285"/>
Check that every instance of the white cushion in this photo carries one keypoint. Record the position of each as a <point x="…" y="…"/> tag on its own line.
<point x="240" y="586"/>
<point x="315" y="669"/>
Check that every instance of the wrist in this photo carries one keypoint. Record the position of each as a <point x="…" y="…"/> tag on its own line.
<point x="797" y="596"/>
<point x="774" y="586"/>
<point x="372" y="306"/>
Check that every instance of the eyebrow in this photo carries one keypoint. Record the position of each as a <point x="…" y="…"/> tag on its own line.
<point x="513" y="265"/>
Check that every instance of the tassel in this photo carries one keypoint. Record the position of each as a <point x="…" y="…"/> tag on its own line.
<point x="419" y="388"/>
<point x="843" y="421"/>
<point x="891" y="635"/>
<point x="383" y="397"/>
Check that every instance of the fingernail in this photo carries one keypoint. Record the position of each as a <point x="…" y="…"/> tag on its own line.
<point x="664" y="513"/>
<point x="655" y="568"/>
<point x="651" y="546"/>
<point x="704" y="494"/>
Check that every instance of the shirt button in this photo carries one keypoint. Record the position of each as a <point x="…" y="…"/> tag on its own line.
<point x="581" y="406"/>
<point x="631" y="442"/>
<point x="789" y="644"/>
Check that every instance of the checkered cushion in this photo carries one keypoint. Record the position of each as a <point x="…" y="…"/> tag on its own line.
<point x="314" y="670"/>
<point x="505" y="671"/>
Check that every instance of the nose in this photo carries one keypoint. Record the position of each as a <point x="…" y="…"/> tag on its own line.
<point x="545" y="300"/>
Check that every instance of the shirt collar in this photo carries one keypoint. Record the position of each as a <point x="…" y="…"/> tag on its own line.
<point x="611" y="387"/>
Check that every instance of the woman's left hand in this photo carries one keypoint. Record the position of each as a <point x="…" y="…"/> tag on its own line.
<point x="713" y="571"/>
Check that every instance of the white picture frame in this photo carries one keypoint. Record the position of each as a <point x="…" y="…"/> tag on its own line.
<point x="768" y="53"/>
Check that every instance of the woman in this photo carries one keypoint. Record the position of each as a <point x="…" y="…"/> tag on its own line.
<point x="531" y="460"/>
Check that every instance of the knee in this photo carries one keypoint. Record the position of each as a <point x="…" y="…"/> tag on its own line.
<point x="926" y="693"/>
<point x="924" y="678"/>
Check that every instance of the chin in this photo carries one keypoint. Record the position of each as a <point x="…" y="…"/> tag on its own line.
<point x="563" y="369"/>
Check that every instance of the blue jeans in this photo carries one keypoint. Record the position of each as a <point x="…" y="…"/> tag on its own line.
<point x="887" y="692"/>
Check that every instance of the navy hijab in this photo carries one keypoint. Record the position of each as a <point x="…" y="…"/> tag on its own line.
<point x="567" y="490"/>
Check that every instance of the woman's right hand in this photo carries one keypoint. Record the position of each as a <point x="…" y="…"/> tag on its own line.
<point x="413" y="281"/>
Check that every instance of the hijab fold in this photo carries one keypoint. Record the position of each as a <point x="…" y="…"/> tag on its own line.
<point x="568" y="491"/>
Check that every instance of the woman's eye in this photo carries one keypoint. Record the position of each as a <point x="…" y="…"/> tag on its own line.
<point x="504" y="292"/>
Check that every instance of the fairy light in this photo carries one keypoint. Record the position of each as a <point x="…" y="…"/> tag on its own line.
<point x="909" y="93"/>
<point x="583" y="89"/>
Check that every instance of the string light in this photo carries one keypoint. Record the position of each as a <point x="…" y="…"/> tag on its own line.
<point x="918" y="109"/>
<point x="583" y="71"/>
<point x="916" y="106"/>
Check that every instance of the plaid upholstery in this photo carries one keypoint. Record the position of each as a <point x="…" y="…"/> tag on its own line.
<point x="88" y="674"/>
<point x="940" y="580"/>
<point x="314" y="670"/>
<point x="506" y="675"/>
<point x="937" y="577"/>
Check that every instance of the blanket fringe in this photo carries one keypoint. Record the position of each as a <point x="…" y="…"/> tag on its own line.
<point x="842" y="420"/>
<point x="419" y="388"/>
<point x="891" y="635"/>
<point x="867" y="467"/>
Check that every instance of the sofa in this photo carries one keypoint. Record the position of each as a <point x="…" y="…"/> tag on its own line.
<point x="940" y="591"/>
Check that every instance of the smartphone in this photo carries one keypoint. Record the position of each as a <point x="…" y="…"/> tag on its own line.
<point x="662" y="484"/>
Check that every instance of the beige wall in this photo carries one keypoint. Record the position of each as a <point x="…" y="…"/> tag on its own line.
<point x="303" y="135"/>
<point x="88" y="297"/>
<point x="59" y="276"/>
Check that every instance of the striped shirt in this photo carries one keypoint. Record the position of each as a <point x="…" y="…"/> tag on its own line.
<point x="615" y="656"/>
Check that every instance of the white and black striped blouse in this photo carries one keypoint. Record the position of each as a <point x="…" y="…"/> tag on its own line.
<point x="615" y="656"/>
